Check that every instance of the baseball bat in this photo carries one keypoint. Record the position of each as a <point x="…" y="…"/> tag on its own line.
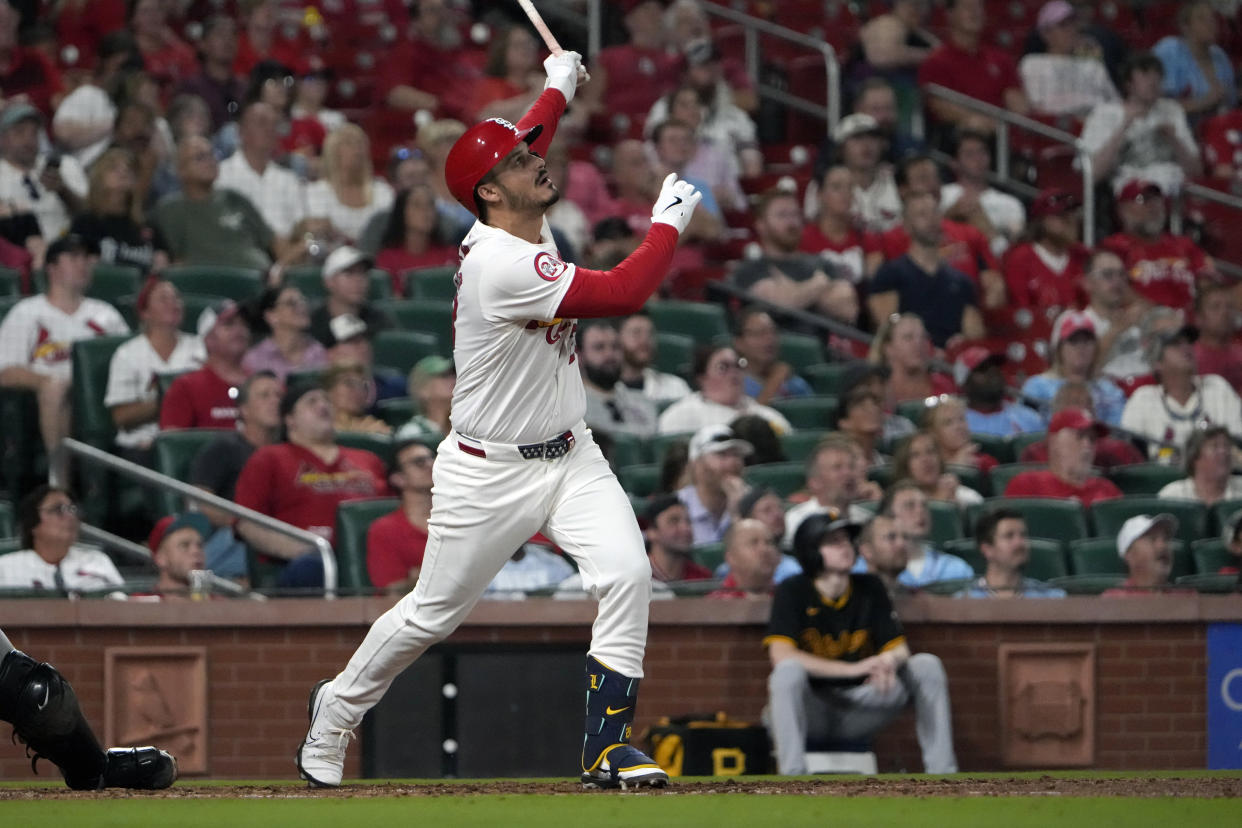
<point x="536" y="20"/>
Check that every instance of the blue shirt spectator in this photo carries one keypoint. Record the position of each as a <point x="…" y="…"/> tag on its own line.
<point x="1012" y="418"/>
<point x="1107" y="398"/>
<point x="1030" y="588"/>
<point x="1183" y="76"/>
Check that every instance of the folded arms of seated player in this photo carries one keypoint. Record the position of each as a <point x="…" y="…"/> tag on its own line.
<point x="623" y="290"/>
<point x="879" y="670"/>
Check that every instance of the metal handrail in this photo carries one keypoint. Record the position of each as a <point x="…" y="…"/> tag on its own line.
<point x="1004" y="121"/>
<point x="752" y="27"/>
<point x="163" y="481"/>
<point x="1190" y="188"/>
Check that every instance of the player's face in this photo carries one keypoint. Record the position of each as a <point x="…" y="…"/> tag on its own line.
<point x="180" y="552"/>
<point x="311" y="418"/>
<point x="832" y="475"/>
<point x="164" y="306"/>
<point x="1215" y="458"/>
<point x="1151" y="555"/>
<point x="415" y="465"/>
<point x="910" y="345"/>
<point x="1010" y="549"/>
<point x="637" y="338"/>
<point x="925" y="463"/>
<point x="723" y="380"/>
<point x="758" y="342"/>
<point x="952" y="431"/>
<point x="911" y="513"/>
<point x="523" y="182"/>
<point x="752" y="556"/>
<point x="262" y="406"/>
<point x="836" y="196"/>
<point x="58" y="521"/>
<point x="887" y="551"/>
<point x="673" y="531"/>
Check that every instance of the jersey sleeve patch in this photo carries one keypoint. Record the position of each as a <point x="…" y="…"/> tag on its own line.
<point x="548" y="267"/>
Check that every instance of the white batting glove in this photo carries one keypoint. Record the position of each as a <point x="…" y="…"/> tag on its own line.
<point x="676" y="203"/>
<point x="565" y="73"/>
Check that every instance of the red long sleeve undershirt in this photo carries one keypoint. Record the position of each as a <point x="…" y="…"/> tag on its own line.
<point x="624" y="289"/>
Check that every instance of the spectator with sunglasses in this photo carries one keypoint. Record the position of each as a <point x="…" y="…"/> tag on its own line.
<point x="51" y="557"/>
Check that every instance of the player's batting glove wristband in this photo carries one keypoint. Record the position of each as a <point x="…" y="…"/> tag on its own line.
<point x="565" y="73"/>
<point x="676" y="203"/>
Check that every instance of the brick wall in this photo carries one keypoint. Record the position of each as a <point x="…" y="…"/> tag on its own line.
<point x="263" y="658"/>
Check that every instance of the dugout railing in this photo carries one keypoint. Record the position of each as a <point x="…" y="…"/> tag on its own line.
<point x="93" y="456"/>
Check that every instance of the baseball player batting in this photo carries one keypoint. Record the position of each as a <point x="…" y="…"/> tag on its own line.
<point x="40" y="704"/>
<point x="519" y="459"/>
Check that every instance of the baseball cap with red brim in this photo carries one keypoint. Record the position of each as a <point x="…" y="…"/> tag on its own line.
<point x="1054" y="202"/>
<point x="973" y="359"/>
<point x="1077" y="419"/>
<point x="1139" y="190"/>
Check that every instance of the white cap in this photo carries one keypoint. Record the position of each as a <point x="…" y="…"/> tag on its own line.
<point x="859" y="123"/>
<point x="212" y="313"/>
<point x="716" y="438"/>
<point x="346" y="326"/>
<point x="343" y="258"/>
<point x="1140" y="525"/>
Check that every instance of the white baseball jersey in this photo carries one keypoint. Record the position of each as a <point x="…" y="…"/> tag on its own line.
<point x="39" y="336"/>
<point x="84" y="569"/>
<point x="516" y="378"/>
<point x="132" y="378"/>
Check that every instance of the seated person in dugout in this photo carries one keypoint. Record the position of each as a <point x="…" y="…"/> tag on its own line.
<point x="841" y="668"/>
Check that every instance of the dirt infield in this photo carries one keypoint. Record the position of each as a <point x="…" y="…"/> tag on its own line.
<point x="1198" y="787"/>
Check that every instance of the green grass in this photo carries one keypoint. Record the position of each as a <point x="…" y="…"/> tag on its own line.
<point x="631" y="811"/>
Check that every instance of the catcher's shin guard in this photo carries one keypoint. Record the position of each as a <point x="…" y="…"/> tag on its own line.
<point x="44" y="712"/>
<point x="608" y="759"/>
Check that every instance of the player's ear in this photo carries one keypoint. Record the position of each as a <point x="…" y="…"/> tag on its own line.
<point x="488" y="192"/>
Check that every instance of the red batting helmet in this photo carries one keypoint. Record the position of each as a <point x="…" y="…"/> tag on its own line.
<point x="478" y="150"/>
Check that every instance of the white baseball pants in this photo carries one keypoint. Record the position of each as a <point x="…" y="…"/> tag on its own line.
<point x="482" y="510"/>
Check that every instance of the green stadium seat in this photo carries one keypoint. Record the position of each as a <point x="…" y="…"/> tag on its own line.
<point x="8" y="524"/>
<point x="641" y="480"/>
<point x="309" y="280"/>
<point x="1221" y="584"/>
<point x="701" y="321"/>
<point x="1022" y="441"/>
<point x="1096" y="556"/>
<point x="399" y="350"/>
<point x="195" y="304"/>
<point x="10" y="282"/>
<point x="436" y="283"/>
<point x="951" y="586"/>
<point x="999" y="447"/>
<point x="826" y="377"/>
<point x="800" y="351"/>
<point x="236" y="283"/>
<point x="397" y="411"/>
<point x="799" y="444"/>
<point x="353" y="519"/>
<point x="7" y="302"/>
<point x="674" y="353"/>
<point x="1144" y="478"/>
<point x="912" y="410"/>
<point x="967" y="550"/>
<point x="426" y="316"/>
<point x="660" y="444"/>
<point x="971" y="477"/>
<point x="378" y="444"/>
<point x="174" y="453"/>
<point x="710" y="555"/>
<point x="1220" y="514"/>
<point x="783" y="478"/>
<point x="1107" y="516"/>
<point x="92" y="422"/>
<point x="999" y="476"/>
<point x="164" y="381"/>
<point x="817" y="412"/>
<point x="1061" y="519"/>
<point x="638" y="503"/>
<point x="110" y="282"/>
<point x="1210" y="554"/>
<point x="1089" y="584"/>
<point x="946" y="521"/>
<point x="882" y="475"/>
<point x="628" y="450"/>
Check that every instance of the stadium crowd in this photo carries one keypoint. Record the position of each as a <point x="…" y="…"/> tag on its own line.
<point x="228" y="250"/>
